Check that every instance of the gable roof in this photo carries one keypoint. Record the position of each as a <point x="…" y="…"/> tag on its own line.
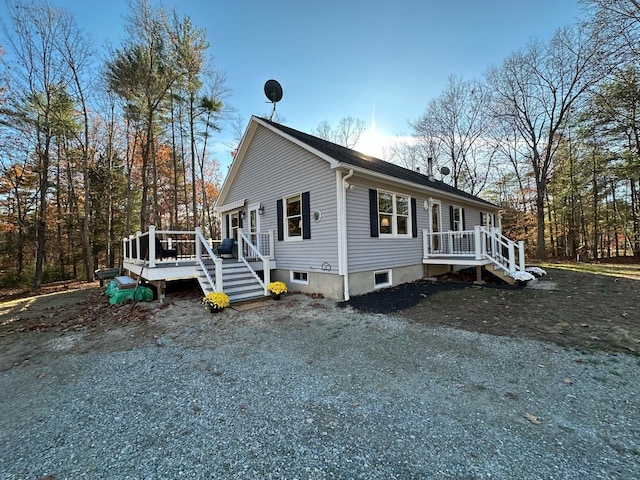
<point x="339" y="156"/>
<point x="350" y="157"/>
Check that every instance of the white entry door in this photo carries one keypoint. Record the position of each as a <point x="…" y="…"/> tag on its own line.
<point x="254" y="222"/>
<point x="435" y="227"/>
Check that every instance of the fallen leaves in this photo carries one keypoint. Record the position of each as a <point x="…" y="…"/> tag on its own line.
<point x="532" y="418"/>
<point x="568" y="381"/>
<point x="93" y="311"/>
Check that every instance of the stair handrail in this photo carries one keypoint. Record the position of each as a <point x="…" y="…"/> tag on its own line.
<point x="507" y="264"/>
<point x="265" y="262"/>
<point x="217" y="284"/>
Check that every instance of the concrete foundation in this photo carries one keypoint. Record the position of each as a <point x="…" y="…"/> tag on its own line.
<point x="328" y="284"/>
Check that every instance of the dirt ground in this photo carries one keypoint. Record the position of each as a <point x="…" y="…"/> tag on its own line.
<point x="581" y="310"/>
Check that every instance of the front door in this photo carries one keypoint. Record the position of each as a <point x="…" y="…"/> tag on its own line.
<point x="254" y="223"/>
<point x="435" y="227"/>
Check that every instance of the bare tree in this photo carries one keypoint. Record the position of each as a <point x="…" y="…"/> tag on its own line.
<point x="457" y="122"/>
<point x="535" y="88"/>
<point x="77" y="53"/>
<point x="619" y="24"/>
<point x="142" y="73"/>
<point x="346" y="133"/>
<point x="37" y="34"/>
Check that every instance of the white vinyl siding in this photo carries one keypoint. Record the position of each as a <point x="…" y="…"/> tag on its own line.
<point x="367" y="253"/>
<point x="274" y="168"/>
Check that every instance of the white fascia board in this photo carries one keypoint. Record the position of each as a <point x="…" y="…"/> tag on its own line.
<point x="332" y="161"/>
<point x="417" y="186"/>
<point x="235" y="164"/>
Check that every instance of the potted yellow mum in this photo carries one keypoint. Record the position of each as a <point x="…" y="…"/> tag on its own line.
<point x="276" y="289"/>
<point x="216" y="301"/>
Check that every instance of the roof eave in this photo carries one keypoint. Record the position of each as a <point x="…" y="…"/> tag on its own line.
<point x="434" y="191"/>
<point x="235" y="164"/>
<point x="332" y="161"/>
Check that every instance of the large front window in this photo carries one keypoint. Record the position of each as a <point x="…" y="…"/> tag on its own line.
<point x="393" y="214"/>
<point x="293" y="213"/>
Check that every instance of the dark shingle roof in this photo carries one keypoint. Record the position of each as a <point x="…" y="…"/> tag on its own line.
<point x="360" y="160"/>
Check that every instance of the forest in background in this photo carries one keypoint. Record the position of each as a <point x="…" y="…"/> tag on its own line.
<point x="92" y="150"/>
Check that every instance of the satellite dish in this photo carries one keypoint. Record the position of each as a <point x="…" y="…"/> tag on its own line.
<point x="273" y="91"/>
<point x="445" y="170"/>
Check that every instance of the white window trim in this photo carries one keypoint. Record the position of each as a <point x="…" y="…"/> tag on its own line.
<point x="460" y="222"/>
<point x="389" y="283"/>
<point x="394" y="216"/>
<point x="300" y="282"/>
<point x="438" y="204"/>
<point x="487" y="219"/>
<point x="287" y="238"/>
<point x="254" y="207"/>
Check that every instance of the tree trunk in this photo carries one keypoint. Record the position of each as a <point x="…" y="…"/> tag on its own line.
<point x="59" y="245"/>
<point x="41" y="218"/>
<point x="541" y="253"/>
<point x="174" y="159"/>
<point x="596" y="216"/>
<point x="635" y="220"/>
<point x="192" y="144"/>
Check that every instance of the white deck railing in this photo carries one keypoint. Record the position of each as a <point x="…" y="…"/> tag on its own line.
<point x="202" y="243"/>
<point x="481" y="243"/>
<point x="141" y="247"/>
<point x="259" y="253"/>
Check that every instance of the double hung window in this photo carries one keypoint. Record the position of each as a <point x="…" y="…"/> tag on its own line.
<point x="293" y="217"/>
<point x="393" y="214"/>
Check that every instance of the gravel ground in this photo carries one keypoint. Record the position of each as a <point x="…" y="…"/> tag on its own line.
<point x="302" y="389"/>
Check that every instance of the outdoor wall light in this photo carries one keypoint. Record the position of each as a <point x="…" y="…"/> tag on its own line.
<point x="260" y="209"/>
<point x="241" y="213"/>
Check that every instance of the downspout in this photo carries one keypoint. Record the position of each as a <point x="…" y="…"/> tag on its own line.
<point x="343" y="227"/>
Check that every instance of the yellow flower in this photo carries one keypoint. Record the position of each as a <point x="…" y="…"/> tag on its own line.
<point x="216" y="299"/>
<point x="277" y="288"/>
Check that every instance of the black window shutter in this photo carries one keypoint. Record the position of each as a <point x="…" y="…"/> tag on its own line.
<point x="373" y="212"/>
<point x="463" y="225"/>
<point x="481" y="219"/>
<point x="450" y="217"/>
<point x="414" y="218"/>
<point x="227" y="233"/>
<point x="280" y="220"/>
<point x="306" y="215"/>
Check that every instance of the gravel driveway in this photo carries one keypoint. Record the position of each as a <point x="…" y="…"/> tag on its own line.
<point x="301" y="389"/>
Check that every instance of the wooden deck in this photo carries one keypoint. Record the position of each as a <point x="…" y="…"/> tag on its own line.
<point x="193" y="257"/>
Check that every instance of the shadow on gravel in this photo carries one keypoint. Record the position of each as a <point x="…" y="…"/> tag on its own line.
<point x="409" y="295"/>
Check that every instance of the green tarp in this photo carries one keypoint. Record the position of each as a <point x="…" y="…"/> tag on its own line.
<point x="117" y="295"/>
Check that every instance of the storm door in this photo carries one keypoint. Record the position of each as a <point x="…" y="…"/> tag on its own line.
<point x="435" y="227"/>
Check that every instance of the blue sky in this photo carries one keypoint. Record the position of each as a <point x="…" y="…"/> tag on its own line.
<point x="340" y="58"/>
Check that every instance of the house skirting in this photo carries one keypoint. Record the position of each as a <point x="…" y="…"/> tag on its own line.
<point x="330" y="285"/>
<point x="327" y="284"/>
<point x="364" y="282"/>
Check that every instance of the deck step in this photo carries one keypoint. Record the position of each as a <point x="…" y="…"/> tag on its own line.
<point x="237" y="282"/>
<point x="501" y="274"/>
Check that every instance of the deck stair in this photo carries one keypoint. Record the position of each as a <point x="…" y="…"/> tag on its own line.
<point x="501" y="273"/>
<point x="237" y="281"/>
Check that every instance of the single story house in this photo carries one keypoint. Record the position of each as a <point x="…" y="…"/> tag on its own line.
<point x="340" y="223"/>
